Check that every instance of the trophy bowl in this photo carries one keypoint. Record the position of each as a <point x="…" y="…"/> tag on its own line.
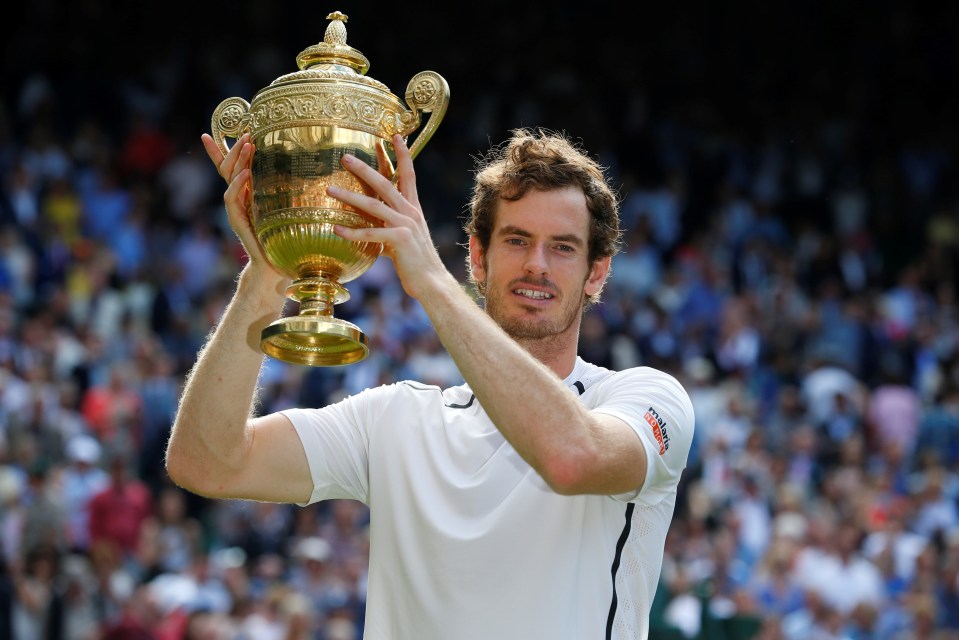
<point x="301" y="125"/>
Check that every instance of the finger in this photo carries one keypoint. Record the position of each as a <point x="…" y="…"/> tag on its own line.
<point x="376" y="181"/>
<point x="383" y="161"/>
<point x="374" y="207"/>
<point x="236" y="192"/>
<point x="236" y="199"/>
<point x="237" y="202"/>
<point x="404" y="169"/>
<point x="226" y="167"/>
<point x="236" y="157"/>
<point x="383" y="235"/>
<point x="242" y="160"/>
<point x="212" y="149"/>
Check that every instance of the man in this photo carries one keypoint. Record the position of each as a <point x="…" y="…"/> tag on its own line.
<point x="531" y="502"/>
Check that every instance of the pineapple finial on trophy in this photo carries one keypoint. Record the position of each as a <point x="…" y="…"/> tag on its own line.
<point x="333" y="49"/>
<point x="336" y="30"/>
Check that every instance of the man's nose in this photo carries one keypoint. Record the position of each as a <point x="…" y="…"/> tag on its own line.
<point x="536" y="261"/>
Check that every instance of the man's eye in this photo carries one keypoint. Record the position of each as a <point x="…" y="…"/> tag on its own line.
<point x="565" y="247"/>
<point x="516" y="241"/>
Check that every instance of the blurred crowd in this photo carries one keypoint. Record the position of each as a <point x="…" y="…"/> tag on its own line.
<point x="791" y="255"/>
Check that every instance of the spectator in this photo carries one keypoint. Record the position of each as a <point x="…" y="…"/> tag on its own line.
<point x="842" y="576"/>
<point x="38" y="609"/>
<point x="114" y="409"/>
<point x="936" y="511"/>
<point x="314" y="576"/>
<point x="169" y="538"/>
<point x="773" y="585"/>
<point x="937" y="442"/>
<point x="893" y="409"/>
<point x="119" y="511"/>
<point x="80" y="481"/>
<point x="44" y="517"/>
<point x="894" y="547"/>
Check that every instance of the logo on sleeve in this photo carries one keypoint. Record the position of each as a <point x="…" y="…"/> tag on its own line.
<point x="659" y="429"/>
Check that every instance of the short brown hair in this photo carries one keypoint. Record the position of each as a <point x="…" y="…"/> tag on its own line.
<point x="543" y="160"/>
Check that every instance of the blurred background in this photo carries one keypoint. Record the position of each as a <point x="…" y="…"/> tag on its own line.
<point x="788" y="174"/>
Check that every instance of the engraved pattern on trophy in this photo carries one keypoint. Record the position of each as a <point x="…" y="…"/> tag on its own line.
<point x="301" y="126"/>
<point x="230" y="119"/>
<point x="353" y="107"/>
<point x="330" y="73"/>
<point x="427" y="92"/>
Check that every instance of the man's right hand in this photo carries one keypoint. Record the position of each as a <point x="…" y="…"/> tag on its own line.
<point x="235" y="169"/>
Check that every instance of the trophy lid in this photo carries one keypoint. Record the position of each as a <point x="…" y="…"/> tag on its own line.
<point x="332" y="59"/>
<point x="331" y="89"/>
<point x="333" y="49"/>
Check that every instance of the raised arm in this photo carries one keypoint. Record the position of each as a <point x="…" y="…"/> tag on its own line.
<point x="574" y="450"/>
<point x="216" y="449"/>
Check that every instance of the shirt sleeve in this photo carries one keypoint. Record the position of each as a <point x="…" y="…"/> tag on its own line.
<point x="659" y="410"/>
<point x="336" y="441"/>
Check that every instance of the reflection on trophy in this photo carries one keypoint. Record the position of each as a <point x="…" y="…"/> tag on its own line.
<point x="302" y="125"/>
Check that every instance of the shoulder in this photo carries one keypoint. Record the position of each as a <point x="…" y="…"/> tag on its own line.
<point x="370" y="406"/>
<point x="639" y="380"/>
<point x="388" y="393"/>
<point x="650" y="398"/>
<point x="649" y="375"/>
<point x="410" y="396"/>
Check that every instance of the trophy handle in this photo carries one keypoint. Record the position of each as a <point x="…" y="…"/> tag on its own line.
<point x="429" y="93"/>
<point x="231" y="119"/>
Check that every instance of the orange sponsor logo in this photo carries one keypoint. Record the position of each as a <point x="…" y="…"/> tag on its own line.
<point x="657" y="432"/>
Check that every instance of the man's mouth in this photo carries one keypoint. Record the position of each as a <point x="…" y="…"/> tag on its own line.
<point x="533" y="294"/>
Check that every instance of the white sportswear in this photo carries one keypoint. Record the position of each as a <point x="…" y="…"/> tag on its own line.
<point x="468" y="542"/>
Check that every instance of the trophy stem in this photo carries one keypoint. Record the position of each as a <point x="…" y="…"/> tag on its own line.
<point x="316" y="306"/>
<point x="317" y="294"/>
<point x="313" y="336"/>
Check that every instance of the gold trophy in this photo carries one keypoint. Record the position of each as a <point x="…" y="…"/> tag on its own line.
<point x="301" y="125"/>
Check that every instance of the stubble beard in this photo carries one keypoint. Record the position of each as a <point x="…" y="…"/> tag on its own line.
<point x="535" y="328"/>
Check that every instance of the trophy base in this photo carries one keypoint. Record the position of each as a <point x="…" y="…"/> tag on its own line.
<point x="317" y="341"/>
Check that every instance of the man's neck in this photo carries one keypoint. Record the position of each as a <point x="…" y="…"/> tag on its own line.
<point x="554" y="351"/>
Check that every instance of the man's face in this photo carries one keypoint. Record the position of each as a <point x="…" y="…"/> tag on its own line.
<point x="536" y="267"/>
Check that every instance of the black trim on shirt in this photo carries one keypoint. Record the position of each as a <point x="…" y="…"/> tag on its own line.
<point x="418" y="387"/>
<point x="463" y="406"/>
<point x="579" y="387"/>
<point x="451" y="406"/>
<point x="616" y="560"/>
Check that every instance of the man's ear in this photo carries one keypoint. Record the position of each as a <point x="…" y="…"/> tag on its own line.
<point x="597" y="276"/>
<point x="477" y="260"/>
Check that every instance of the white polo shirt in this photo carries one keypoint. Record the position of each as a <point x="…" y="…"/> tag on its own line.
<point x="468" y="542"/>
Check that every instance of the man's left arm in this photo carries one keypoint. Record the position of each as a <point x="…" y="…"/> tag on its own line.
<point x="574" y="450"/>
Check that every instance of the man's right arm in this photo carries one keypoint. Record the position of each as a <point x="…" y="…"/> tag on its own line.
<point x="216" y="449"/>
